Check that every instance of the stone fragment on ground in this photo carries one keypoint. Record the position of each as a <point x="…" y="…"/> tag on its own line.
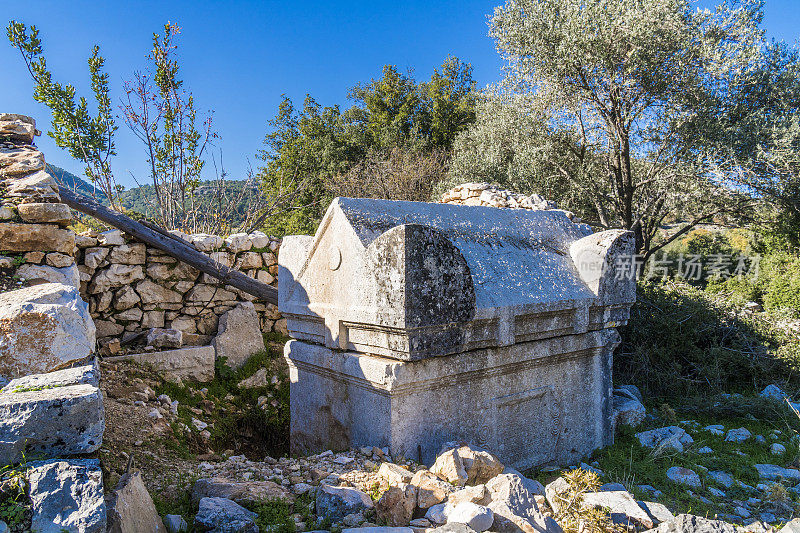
<point x="239" y="335"/>
<point x="79" y="375"/>
<point x="477" y="517"/>
<point x="622" y="508"/>
<point x="193" y="363"/>
<point x="242" y="492"/>
<point x="685" y="523"/>
<point x="776" y="473"/>
<point x="43" y="328"/>
<point x="67" y="495"/>
<point x="337" y="502"/>
<point x="164" y="338"/>
<point x="221" y="515"/>
<point x="450" y="467"/>
<point x="50" y="421"/>
<point x="130" y="508"/>
<point x="396" y="505"/>
<point x="670" y="437"/>
<point x="628" y="409"/>
<point x="394" y="474"/>
<point x="738" y="435"/>
<point x="684" y="476"/>
<point x="657" y="512"/>
<point x="175" y="523"/>
<point x="430" y="489"/>
<point x="556" y="492"/>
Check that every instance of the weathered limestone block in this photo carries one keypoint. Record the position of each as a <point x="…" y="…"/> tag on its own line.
<point x="239" y="335"/>
<point x="128" y="254"/>
<point x="242" y="492"/>
<point x="49" y="213"/>
<point x="59" y="260"/>
<point x="125" y="298"/>
<point x="259" y="239"/>
<point x="153" y="293"/>
<point x="131" y="315"/>
<point x="181" y="271"/>
<point x="205" y="242"/>
<point x="67" y="495"/>
<point x="86" y="239"/>
<point x="17" y="128"/>
<point x="35" y="187"/>
<point x="107" y="328"/>
<point x="248" y="260"/>
<point x="185" y="324"/>
<point x="50" y="422"/>
<point x="20" y="160"/>
<point x="130" y="508"/>
<point x="93" y="257"/>
<point x="223" y="258"/>
<point x="35" y="237"/>
<point x="102" y="302"/>
<point x="451" y="309"/>
<point x="34" y="257"/>
<point x="67" y="275"/>
<point x="193" y="363"/>
<point x="112" y="237"/>
<point x="238" y="242"/>
<point x="208" y="293"/>
<point x="164" y="338"/>
<point x="115" y="276"/>
<point x="43" y="328"/>
<point x="153" y="319"/>
<point x="81" y="375"/>
<point x="219" y="515"/>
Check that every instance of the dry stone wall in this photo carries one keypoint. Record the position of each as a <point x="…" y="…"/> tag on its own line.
<point x="486" y="194"/>
<point x="133" y="287"/>
<point x="34" y="241"/>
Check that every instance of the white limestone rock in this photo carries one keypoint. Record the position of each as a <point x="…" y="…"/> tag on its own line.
<point x="222" y="515"/>
<point x="775" y="473"/>
<point x="68" y="275"/>
<point x="477" y="517"/>
<point x="43" y="328"/>
<point x="242" y="492"/>
<point x="684" y="476"/>
<point x="115" y="276"/>
<point x="128" y="254"/>
<point x="81" y="375"/>
<point x="239" y="335"/>
<point x="628" y="411"/>
<point x="685" y="523"/>
<point x="672" y="437"/>
<point x="238" y="242"/>
<point x="773" y="392"/>
<point x="337" y="502"/>
<point x="112" y="237"/>
<point x="622" y="508"/>
<point x="50" y="421"/>
<point x="738" y="435"/>
<point x="164" y="338"/>
<point x="449" y="466"/>
<point x="67" y="495"/>
<point x="206" y="242"/>
<point x="130" y="508"/>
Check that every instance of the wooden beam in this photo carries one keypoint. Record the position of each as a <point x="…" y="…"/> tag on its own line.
<point x="172" y="246"/>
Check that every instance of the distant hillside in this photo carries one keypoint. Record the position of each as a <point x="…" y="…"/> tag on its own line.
<point x="142" y="199"/>
<point x="71" y="181"/>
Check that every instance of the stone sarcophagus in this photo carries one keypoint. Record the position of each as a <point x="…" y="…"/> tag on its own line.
<point x="415" y="324"/>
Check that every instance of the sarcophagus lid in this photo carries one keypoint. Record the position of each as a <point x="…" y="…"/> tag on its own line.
<point x="410" y="280"/>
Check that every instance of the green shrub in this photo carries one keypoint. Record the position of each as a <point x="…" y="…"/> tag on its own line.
<point x="681" y="340"/>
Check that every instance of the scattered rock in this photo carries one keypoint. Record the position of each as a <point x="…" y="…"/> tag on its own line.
<point x="259" y="379"/>
<point x="622" y="508"/>
<point x="656" y="511"/>
<point x="50" y="421"/>
<point x="242" y="492"/>
<point x="556" y="492"/>
<point x="130" y="508"/>
<point x="67" y="495"/>
<point x="671" y="437"/>
<point x="337" y="502"/>
<point x="477" y="517"/>
<point x="396" y="505"/>
<point x="686" y="523"/>
<point x="449" y="466"/>
<point x="220" y="515"/>
<point x="394" y="474"/>
<point x="684" y="476"/>
<point x="722" y="478"/>
<point x="628" y="411"/>
<point x="175" y="523"/>
<point x="42" y="328"/>
<point x="775" y="473"/>
<point x="164" y="338"/>
<point x="738" y="435"/>
<point x="239" y="335"/>
<point x="773" y="392"/>
<point x="777" y="449"/>
<point x="68" y="275"/>
<point x="430" y="489"/>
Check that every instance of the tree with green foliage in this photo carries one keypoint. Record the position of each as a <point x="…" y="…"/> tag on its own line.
<point x="622" y="97"/>
<point x="393" y="120"/>
<point x="88" y="138"/>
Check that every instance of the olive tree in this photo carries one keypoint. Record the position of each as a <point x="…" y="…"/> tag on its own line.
<point x="617" y="97"/>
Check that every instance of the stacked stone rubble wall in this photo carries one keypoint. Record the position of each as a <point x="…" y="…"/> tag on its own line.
<point x="34" y="240"/>
<point x="486" y="194"/>
<point x="131" y="286"/>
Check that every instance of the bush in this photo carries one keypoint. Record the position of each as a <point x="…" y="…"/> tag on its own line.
<point x="683" y="341"/>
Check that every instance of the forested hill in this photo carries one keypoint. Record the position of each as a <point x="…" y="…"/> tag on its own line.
<point x="141" y="199"/>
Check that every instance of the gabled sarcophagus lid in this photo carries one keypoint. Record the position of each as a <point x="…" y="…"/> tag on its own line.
<point x="410" y="280"/>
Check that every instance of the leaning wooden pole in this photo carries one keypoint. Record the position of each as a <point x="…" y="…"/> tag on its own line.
<point x="174" y="247"/>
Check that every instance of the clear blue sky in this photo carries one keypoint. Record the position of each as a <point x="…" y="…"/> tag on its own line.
<point x="238" y="57"/>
